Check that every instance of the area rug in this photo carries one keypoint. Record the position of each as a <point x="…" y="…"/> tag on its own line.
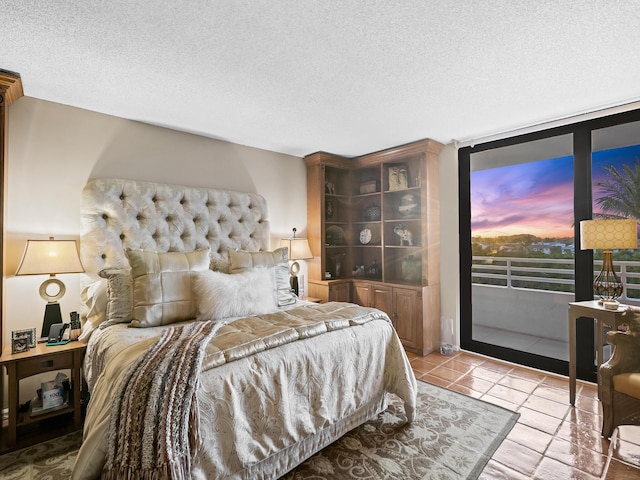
<point x="452" y="438"/>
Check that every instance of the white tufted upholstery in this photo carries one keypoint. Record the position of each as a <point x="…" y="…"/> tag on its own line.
<point x="117" y="214"/>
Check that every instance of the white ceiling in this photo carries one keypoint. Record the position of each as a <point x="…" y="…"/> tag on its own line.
<point x="343" y="76"/>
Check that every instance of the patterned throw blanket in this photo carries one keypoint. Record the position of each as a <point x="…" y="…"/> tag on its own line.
<point x="149" y="434"/>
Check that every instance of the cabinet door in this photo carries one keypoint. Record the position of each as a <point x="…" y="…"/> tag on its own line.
<point x="340" y="292"/>
<point x="362" y="293"/>
<point x="382" y="299"/>
<point x="319" y="290"/>
<point x="407" y="314"/>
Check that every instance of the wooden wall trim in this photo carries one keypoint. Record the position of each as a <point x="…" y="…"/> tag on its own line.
<point x="10" y="91"/>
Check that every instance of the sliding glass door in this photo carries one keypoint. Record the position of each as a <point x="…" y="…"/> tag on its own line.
<point x="522" y="243"/>
<point x="521" y="202"/>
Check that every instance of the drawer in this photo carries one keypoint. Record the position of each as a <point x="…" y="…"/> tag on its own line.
<point x="43" y="364"/>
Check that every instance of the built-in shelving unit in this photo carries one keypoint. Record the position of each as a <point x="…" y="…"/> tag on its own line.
<point x="374" y="221"/>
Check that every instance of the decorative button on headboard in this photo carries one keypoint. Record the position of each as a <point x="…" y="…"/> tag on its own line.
<point x="117" y="214"/>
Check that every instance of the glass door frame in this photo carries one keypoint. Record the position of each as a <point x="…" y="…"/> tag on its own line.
<point x="583" y="259"/>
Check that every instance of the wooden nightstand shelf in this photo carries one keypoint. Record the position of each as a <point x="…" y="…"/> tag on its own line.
<point x="41" y="359"/>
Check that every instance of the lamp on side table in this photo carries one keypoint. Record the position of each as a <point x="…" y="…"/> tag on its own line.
<point x="50" y="257"/>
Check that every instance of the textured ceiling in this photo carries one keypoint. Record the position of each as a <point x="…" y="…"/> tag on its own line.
<point x="348" y="77"/>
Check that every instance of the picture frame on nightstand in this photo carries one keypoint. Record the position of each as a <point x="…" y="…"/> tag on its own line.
<point x="32" y="335"/>
<point x="19" y="342"/>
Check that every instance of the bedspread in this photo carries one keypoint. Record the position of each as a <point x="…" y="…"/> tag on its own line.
<point x="266" y="410"/>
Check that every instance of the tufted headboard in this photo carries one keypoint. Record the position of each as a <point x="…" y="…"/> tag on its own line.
<point x="117" y="214"/>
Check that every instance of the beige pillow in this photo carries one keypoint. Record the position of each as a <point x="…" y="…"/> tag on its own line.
<point x="162" y="285"/>
<point x="279" y="258"/>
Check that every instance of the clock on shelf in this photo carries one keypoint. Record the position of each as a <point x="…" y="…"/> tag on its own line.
<point x="370" y="234"/>
<point x="365" y="236"/>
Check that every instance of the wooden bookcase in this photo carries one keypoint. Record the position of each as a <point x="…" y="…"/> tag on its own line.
<point x="374" y="220"/>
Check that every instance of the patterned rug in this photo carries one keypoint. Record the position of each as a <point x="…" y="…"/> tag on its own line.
<point x="453" y="437"/>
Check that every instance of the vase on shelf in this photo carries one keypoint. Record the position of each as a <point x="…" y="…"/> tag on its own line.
<point x="328" y="209"/>
<point x="411" y="269"/>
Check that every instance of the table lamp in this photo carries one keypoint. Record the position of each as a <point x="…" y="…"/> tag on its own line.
<point x="50" y="257"/>
<point x="607" y="235"/>
<point x="298" y="250"/>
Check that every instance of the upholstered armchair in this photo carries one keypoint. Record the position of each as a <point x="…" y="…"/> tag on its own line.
<point x="619" y="378"/>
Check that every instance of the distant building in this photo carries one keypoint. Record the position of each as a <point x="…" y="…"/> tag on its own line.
<point x="548" y="248"/>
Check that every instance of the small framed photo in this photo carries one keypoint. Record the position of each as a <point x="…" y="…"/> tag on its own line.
<point x="32" y="335"/>
<point x="19" y="342"/>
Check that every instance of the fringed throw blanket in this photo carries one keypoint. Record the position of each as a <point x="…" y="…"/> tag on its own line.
<point x="149" y="431"/>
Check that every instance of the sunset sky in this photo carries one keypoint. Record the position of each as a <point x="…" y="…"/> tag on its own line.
<point x="534" y="198"/>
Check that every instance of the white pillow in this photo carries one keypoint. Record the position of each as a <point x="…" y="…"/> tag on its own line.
<point x="241" y="261"/>
<point x="221" y="295"/>
<point x="162" y="285"/>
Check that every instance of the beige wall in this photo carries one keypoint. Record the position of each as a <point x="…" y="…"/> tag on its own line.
<point x="449" y="239"/>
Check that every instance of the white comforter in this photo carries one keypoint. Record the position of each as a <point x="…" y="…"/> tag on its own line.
<point x="262" y="415"/>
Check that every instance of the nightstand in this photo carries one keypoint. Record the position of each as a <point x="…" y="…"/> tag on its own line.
<point x="42" y="359"/>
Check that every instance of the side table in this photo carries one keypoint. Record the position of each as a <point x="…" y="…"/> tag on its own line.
<point x="42" y="359"/>
<point x="589" y="309"/>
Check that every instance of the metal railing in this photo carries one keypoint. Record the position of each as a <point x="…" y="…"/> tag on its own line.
<point x="547" y="274"/>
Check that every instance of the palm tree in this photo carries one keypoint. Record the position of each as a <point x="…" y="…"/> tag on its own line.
<point x="621" y="192"/>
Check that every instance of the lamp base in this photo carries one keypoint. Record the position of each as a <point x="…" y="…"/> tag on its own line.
<point x="293" y="281"/>
<point x="51" y="315"/>
<point x="607" y="285"/>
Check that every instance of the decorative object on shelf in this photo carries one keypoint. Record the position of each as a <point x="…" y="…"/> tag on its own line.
<point x="374" y="270"/>
<point x="365" y="235"/>
<point x="19" y="341"/>
<point x="398" y="178"/>
<point x="328" y="208"/>
<point x="335" y="236"/>
<point x="406" y="236"/>
<point x="409" y="206"/>
<point x="50" y="257"/>
<point x="329" y="188"/>
<point x="411" y="269"/>
<point x="337" y="263"/>
<point x="358" y="271"/>
<point x="370" y="235"/>
<point x="372" y="213"/>
<point x="607" y="235"/>
<point x="370" y="186"/>
<point x="298" y="250"/>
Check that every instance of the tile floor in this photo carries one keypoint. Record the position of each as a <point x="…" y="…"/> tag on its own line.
<point x="551" y="440"/>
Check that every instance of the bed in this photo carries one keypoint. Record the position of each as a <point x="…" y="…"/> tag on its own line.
<point x="184" y="275"/>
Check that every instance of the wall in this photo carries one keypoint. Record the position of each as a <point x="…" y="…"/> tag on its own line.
<point x="53" y="151"/>
<point x="449" y="239"/>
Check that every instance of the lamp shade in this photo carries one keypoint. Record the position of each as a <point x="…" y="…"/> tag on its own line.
<point x="608" y="234"/>
<point x="298" y="248"/>
<point x="50" y="257"/>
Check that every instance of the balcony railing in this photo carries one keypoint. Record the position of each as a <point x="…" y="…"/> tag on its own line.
<point x="547" y="274"/>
